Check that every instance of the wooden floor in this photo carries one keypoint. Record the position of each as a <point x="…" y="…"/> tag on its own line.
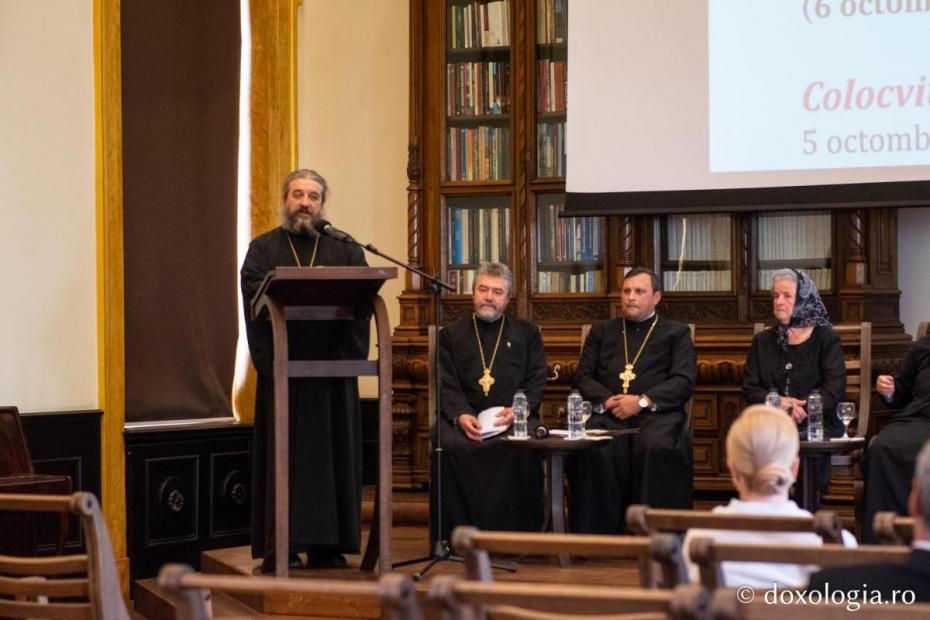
<point x="409" y="542"/>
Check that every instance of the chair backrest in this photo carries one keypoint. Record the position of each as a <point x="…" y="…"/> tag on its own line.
<point x="475" y="547"/>
<point x="14" y="457"/>
<point x="689" y="406"/>
<point x="394" y="591"/>
<point x="858" y="368"/>
<point x="892" y="529"/>
<point x="730" y="604"/>
<point x="709" y="555"/>
<point x="922" y="330"/>
<point x="69" y="586"/>
<point x="645" y="521"/>
<point x="461" y="598"/>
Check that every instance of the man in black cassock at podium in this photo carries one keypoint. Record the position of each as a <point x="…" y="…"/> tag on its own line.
<point x="325" y="416"/>
<point x="638" y="371"/>
<point x="484" y="358"/>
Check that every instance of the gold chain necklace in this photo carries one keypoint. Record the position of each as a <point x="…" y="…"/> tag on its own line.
<point x="486" y="380"/>
<point x="628" y="375"/>
<point x="294" y="250"/>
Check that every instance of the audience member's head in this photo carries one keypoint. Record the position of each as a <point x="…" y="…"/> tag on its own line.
<point x="762" y="453"/>
<point x="919" y="502"/>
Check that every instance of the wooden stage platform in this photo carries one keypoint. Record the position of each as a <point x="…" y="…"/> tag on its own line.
<point x="409" y="542"/>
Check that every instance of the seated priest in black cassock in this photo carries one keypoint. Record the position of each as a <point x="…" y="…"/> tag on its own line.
<point x="889" y="463"/>
<point x="484" y="358"/>
<point x="325" y="451"/>
<point x="638" y="371"/>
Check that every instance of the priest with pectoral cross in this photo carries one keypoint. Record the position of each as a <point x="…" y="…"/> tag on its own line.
<point x="484" y="358"/>
<point x="638" y="371"/>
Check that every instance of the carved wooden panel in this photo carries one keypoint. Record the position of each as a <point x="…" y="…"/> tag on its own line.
<point x="699" y="310"/>
<point x="704" y="412"/>
<point x="230" y="502"/>
<point x="706" y="459"/>
<point x="570" y="311"/>
<point x="170" y="510"/>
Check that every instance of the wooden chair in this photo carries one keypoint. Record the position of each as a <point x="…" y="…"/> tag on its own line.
<point x="709" y="554"/>
<point x="858" y="369"/>
<point x="394" y="591"/>
<point x="646" y="521"/>
<point x="689" y="406"/>
<point x="729" y="604"/>
<point x="922" y="330"/>
<point x="892" y="529"/>
<point x="475" y="546"/>
<point x="460" y="598"/>
<point x="69" y="586"/>
<point x="17" y="475"/>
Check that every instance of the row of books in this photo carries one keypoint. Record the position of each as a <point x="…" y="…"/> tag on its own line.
<point x="562" y="282"/>
<point x="478" y="235"/>
<point x="697" y="280"/>
<point x="551" y="85"/>
<point x="550" y="149"/>
<point x="478" y="153"/>
<point x="569" y="238"/>
<point x="476" y="88"/>
<point x="698" y="237"/>
<point x="823" y="278"/>
<point x="479" y="24"/>
<point x="461" y="280"/>
<point x="551" y="21"/>
<point x="802" y="235"/>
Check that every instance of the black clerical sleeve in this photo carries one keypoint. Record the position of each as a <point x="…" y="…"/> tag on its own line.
<point x="453" y="400"/>
<point x="905" y="375"/>
<point x="674" y="391"/>
<point x="255" y="267"/>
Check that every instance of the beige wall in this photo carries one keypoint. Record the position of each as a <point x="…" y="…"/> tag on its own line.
<point x="352" y="121"/>
<point x="48" y="308"/>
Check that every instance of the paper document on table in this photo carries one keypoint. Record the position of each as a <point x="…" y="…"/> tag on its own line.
<point x="595" y="434"/>
<point x="487" y="419"/>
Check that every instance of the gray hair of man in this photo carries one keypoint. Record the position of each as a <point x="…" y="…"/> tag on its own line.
<point x="785" y="274"/>
<point x="495" y="270"/>
<point x="305" y="173"/>
<point x="922" y="486"/>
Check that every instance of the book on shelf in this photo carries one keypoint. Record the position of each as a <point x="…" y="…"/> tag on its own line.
<point x="551" y="21"/>
<point x="550" y="149"/>
<point x="479" y="24"/>
<point x="477" y="235"/>
<point x="477" y="88"/>
<point x="551" y="85"/>
<point x="478" y="153"/>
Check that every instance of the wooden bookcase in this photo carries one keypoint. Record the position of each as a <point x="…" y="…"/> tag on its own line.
<point x="486" y="180"/>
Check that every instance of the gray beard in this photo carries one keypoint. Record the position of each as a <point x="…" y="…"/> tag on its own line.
<point x="486" y="318"/>
<point x="292" y="225"/>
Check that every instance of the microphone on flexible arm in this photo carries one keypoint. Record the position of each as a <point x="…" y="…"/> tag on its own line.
<point x="323" y="227"/>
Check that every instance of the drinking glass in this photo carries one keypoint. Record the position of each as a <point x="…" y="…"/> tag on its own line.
<point x="847" y="412"/>
<point x="586" y="410"/>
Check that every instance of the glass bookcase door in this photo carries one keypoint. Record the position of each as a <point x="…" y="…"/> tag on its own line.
<point x="795" y="240"/>
<point x="478" y="230"/>
<point x="478" y="90"/>
<point x="696" y="253"/>
<point x="551" y="80"/>
<point x="569" y="251"/>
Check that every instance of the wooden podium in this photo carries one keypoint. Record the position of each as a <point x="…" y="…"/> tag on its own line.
<point x="328" y="294"/>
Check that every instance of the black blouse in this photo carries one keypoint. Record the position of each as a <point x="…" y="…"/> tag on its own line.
<point x="815" y="364"/>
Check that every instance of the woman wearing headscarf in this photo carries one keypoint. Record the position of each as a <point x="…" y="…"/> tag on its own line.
<point x="798" y="355"/>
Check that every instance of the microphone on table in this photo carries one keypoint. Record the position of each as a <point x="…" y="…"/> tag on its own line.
<point x="323" y="227"/>
<point x="541" y="432"/>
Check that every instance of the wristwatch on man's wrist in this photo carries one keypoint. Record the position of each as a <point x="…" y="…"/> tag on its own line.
<point x="643" y="402"/>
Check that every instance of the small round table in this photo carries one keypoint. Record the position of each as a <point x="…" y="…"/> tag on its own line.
<point x="807" y="490"/>
<point x="554" y="449"/>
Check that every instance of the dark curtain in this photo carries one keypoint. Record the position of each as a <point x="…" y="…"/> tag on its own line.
<point x="180" y="88"/>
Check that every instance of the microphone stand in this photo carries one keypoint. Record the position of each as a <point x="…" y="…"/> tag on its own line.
<point x="442" y="551"/>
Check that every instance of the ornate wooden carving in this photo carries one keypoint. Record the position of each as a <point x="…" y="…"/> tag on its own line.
<point x="698" y="310"/>
<point x="568" y="311"/>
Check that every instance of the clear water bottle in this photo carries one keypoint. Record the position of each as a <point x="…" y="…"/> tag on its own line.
<point x="520" y="414"/>
<point x="772" y="399"/>
<point x="815" y="416"/>
<point x="575" y="416"/>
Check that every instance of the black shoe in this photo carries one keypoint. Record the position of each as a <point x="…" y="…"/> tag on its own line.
<point x="293" y="561"/>
<point x="323" y="559"/>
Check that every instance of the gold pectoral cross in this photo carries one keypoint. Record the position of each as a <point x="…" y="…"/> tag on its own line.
<point x="626" y="376"/>
<point x="486" y="381"/>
